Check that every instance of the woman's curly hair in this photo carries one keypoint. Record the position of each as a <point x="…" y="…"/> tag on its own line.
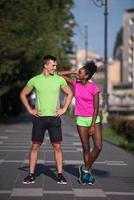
<point x="90" y="68"/>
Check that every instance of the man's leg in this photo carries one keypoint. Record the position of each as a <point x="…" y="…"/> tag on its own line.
<point x="33" y="157"/>
<point x="58" y="156"/>
<point x="59" y="163"/>
<point x="55" y="134"/>
<point x="32" y="163"/>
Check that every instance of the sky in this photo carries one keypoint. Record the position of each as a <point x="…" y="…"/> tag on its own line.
<point x="86" y="13"/>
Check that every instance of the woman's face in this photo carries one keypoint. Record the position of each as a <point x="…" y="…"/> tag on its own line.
<point x="82" y="74"/>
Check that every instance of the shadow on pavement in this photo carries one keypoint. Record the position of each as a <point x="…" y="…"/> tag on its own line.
<point x="47" y="170"/>
<point x="50" y="170"/>
<point x="73" y="170"/>
<point x="100" y="173"/>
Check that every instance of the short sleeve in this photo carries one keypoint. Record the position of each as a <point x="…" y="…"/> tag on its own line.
<point x="74" y="83"/>
<point x="30" y="83"/>
<point x="63" y="82"/>
<point x="96" y="89"/>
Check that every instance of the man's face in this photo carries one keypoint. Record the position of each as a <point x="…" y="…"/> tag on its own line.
<point x="51" y="66"/>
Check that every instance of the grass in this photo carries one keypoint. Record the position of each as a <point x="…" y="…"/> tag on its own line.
<point x="111" y="135"/>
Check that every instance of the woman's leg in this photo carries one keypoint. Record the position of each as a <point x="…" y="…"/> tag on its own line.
<point x="97" y="140"/>
<point x="84" y="137"/>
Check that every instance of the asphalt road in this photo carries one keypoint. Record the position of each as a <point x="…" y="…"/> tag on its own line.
<point x="113" y="170"/>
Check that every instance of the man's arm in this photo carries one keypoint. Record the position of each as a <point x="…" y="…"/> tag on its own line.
<point x="23" y="96"/>
<point x="67" y="90"/>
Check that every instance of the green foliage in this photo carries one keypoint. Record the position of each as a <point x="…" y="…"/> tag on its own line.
<point x="111" y="135"/>
<point x="29" y="30"/>
<point x="118" y="42"/>
<point x="122" y="126"/>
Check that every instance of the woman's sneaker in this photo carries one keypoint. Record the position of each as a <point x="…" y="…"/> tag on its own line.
<point x="83" y="175"/>
<point x="29" y="179"/>
<point x="61" y="179"/>
<point x="90" y="179"/>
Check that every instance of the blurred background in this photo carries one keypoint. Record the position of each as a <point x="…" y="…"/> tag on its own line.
<point x="74" y="31"/>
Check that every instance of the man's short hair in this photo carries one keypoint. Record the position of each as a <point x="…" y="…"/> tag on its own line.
<point x="47" y="58"/>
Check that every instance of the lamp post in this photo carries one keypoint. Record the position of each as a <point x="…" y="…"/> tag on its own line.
<point x="131" y="22"/>
<point x="86" y="43"/>
<point x="101" y="3"/>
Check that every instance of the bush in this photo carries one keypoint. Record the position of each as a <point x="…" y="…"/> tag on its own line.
<point x="130" y="129"/>
<point x="10" y="102"/>
<point x="122" y="125"/>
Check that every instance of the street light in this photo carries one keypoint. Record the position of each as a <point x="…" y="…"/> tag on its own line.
<point x="86" y="43"/>
<point x="101" y="3"/>
<point x="131" y="22"/>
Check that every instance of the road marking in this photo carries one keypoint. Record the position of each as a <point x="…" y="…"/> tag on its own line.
<point x="120" y="193"/>
<point x="78" y="192"/>
<point x="16" y="131"/>
<point x="12" y="150"/>
<point x="1" y="161"/>
<point x="38" y="161"/>
<point x="89" y="193"/>
<point x="79" y="149"/>
<point x="66" y="162"/>
<point x="117" y="162"/>
<point x="13" y="146"/>
<point x="27" y="192"/>
<point x="58" y="192"/>
<point x="77" y="143"/>
<point x="3" y="137"/>
<point x="5" y="191"/>
<point x="12" y="161"/>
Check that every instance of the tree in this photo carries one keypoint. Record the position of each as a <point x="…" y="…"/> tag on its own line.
<point x="118" y="42"/>
<point x="28" y="31"/>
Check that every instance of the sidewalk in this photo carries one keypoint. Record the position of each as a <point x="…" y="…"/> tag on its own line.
<point x="113" y="170"/>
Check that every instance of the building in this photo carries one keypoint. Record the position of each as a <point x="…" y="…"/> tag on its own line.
<point x="79" y="59"/>
<point x="128" y="47"/>
<point x="114" y="74"/>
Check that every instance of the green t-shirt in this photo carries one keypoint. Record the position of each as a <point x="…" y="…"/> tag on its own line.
<point x="47" y="89"/>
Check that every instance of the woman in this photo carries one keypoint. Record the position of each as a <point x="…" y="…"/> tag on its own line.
<point x="88" y="121"/>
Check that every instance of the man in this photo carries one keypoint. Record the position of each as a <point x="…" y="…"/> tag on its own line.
<point x="47" y="86"/>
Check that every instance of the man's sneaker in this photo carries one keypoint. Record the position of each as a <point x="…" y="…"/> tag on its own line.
<point x="61" y="179"/>
<point x="90" y="179"/>
<point x="29" y="180"/>
<point x="83" y="175"/>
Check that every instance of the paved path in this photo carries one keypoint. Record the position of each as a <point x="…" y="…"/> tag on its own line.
<point x="114" y="169"/>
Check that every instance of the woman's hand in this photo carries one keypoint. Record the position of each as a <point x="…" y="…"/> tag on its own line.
<point x="91" y="130"/>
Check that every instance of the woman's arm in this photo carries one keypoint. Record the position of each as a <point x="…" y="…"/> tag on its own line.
<point x="64" y="73"/>
<point x="96" y="108"/>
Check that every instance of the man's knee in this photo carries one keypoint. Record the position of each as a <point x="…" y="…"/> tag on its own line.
<point x="57" y="146"/>
<point x="35" y="147"/>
